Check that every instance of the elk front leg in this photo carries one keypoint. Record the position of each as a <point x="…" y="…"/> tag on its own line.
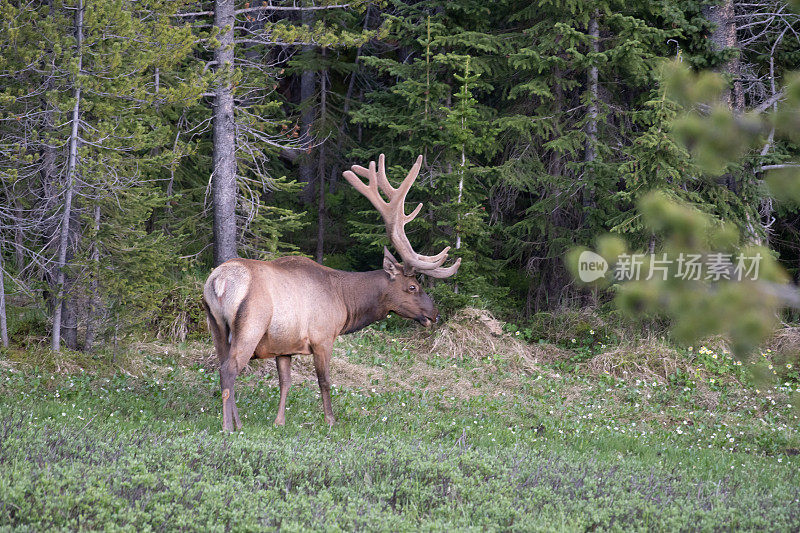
<point x="284" y="364"/>
<point x="322" y="360"/>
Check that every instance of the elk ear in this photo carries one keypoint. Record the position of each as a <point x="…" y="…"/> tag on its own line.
<point x="390" y="264"/>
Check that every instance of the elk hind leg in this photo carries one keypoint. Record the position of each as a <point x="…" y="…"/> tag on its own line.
<point x="246" y="336"/>
<point x="219" y="333"/>
<point x="222" y="347"/>
<point x="322" y="364"/>
<point x="284" y="364"/>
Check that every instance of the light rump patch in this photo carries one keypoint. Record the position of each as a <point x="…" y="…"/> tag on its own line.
<point x="219" y="287"/>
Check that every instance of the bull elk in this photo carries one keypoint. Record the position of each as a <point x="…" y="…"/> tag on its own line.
<point x="293" y="305"/>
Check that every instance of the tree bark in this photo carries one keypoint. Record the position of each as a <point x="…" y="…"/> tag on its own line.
<point x="321" y="171"/>
<point x="19" y="248"/>
<point x="69" y="304"/>
<point x="3" y="324"/>
<point x="69" y="322"/>
<point x="321" y="206"/>
<point x="591" y="122"/>
<point x="459" y="199"/>
<point x="723" y="37"/>
<point x="307" y="89"/>
<point x="348" y="98"/>
<point x="223" y="188"/>
<point x="94" y="301"/>
<point x="63" y="241"/>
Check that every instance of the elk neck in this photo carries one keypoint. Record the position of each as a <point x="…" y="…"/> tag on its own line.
<point x="364" y="297"/>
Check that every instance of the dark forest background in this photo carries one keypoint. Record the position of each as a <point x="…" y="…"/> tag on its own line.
<point x="143" y="142"/>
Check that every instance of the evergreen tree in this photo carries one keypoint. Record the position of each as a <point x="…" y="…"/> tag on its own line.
<point x="581" y="71"/>
<point x="428" y="106"/>
<point x="99" y="134"/>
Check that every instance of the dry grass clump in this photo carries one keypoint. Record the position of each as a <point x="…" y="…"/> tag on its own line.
<point x="498" y="358"/>
<point x="646" y="359"/>
<point x="785" y="342"/>
<point x="561" y="326"/>
<point x="655" y="358"/>
<point x="476" y="334"/>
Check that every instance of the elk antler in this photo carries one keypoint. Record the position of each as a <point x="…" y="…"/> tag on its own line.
<point x="393" y="213"/>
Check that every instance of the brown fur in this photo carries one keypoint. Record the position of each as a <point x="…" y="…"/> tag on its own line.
<point x="294" y="306"/>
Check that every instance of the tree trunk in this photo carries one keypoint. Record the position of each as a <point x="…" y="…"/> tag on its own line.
<point x="307" y="89"/>
<point x="69" y="303"/>
<point x="591" y="122"/>
<point x="348" y="97"/>
<point x="19" y="247"/>
<point x="321" y="206"/>
<point x="223" y="180"/>
<point x="350" y="86"/>
<point x="723" y="37"/>
<point x="168" y="218"/>
<point x="69" y="320"/>
<point x="3" y="324"/>
<point x="321" y="170"/>
<point x="460" y="192"/>
<point x="63" y="241"/>
<point x="459" y="199"/>
<point x="94" y="301"/>
<point x="766" y="210"/>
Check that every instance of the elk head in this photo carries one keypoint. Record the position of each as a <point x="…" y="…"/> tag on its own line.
<point x="405" y="296"/>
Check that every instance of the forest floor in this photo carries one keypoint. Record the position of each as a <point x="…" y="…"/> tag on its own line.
<point x="463" y="427"/>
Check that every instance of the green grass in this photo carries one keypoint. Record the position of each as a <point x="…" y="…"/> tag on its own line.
<point x="559" y="452"/>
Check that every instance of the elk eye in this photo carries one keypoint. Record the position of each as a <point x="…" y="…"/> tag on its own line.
<point x="412" y="288"/>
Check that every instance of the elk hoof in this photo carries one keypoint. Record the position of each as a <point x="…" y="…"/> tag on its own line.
<point x="279" y="422"/>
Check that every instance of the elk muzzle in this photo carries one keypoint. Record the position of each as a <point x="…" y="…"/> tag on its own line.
<point x="428" y="315"/>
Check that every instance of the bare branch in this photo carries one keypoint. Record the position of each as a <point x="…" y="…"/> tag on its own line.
<point x="268" y="7"/>
<point x="769" y="101"/>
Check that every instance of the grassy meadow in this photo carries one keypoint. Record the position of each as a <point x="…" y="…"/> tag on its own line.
<point x="459" y="428"/>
